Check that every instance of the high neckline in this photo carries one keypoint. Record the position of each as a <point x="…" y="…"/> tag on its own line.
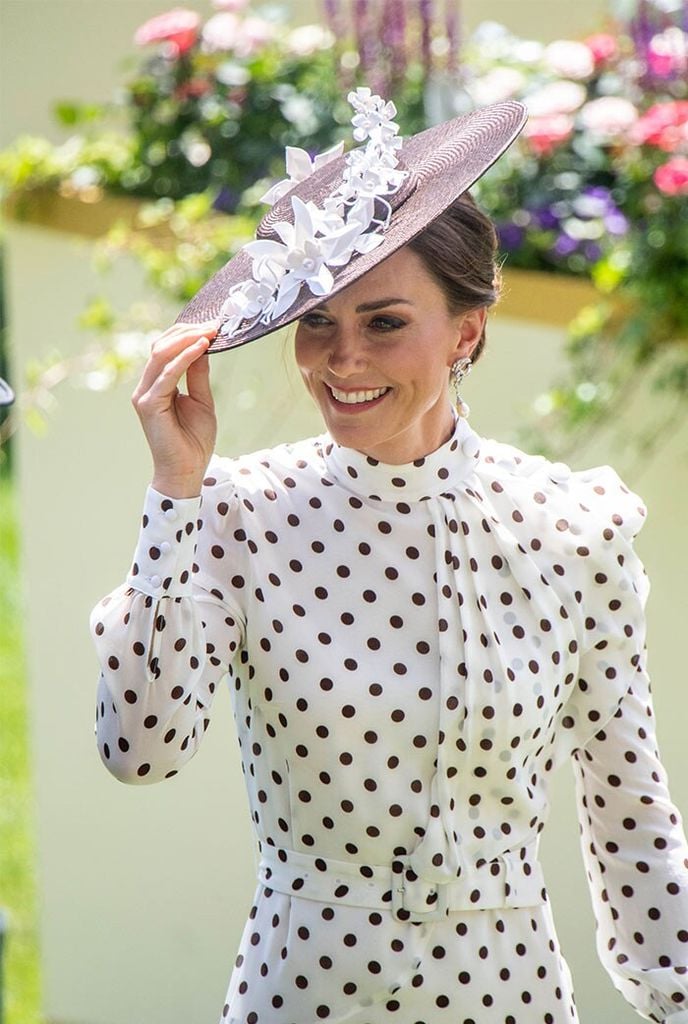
<point x="439" y="471"/>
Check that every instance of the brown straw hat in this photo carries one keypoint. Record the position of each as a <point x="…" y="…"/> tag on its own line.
<point x="437" y="166"/>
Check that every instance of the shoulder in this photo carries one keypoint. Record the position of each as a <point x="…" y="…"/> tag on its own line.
<point x="577" y="526"/>
<point x="593" y="502"/>
<point x="265" y="472"/>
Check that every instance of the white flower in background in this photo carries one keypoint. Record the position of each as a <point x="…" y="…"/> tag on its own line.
<point x="608" y="116"/>
<point x="232" y="74"/>
<point x="220" y="32"/>
<point x="299" y="167"/>
<point x="569" y="59"/>
<point x="85" y="177"/>
<point x="300" y="112"/>
<point x="556" y="98"/>
<point x="308" y="39"/>
<point x="254" y="34"/>
<point x="497" y="85"/>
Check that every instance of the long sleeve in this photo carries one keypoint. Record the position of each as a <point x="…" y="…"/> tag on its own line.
<point x="636" y="857"/>
<point x="164" y="641"/>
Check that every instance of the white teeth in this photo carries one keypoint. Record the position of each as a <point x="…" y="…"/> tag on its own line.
<point x="352" y="397"/>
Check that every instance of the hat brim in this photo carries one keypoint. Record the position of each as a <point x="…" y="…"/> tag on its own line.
<point x="443" y="162"/>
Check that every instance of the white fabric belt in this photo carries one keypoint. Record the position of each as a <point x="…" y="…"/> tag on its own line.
<point x="511" y="880"/>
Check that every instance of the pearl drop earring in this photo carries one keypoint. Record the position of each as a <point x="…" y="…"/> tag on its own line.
<point x="460" y="369"/>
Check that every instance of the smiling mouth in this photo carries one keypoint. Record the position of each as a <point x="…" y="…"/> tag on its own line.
<point x="357" y="397"/>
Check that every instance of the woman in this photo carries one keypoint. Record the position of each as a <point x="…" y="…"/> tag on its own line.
<point x="419" y="626"/>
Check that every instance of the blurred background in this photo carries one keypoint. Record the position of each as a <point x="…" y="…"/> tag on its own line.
<point x="133" y="150"/>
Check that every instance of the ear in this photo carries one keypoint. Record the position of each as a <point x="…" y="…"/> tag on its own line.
<point x="470" y="329"/>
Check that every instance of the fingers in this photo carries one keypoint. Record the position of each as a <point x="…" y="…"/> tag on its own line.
<point x="168" y="347"/>
<point x="164" y="388"/>
<point x="198" y="380"/>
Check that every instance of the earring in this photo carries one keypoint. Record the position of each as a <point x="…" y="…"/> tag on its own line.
<point x="460" y="369"/>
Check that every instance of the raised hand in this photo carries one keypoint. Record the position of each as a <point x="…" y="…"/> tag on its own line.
<point x="180" y="428"/>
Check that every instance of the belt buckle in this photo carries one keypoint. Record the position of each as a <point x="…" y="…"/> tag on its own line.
<point x="402" y="884"/>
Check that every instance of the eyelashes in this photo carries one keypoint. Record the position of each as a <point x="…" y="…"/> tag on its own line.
<point x="381" y="323"/>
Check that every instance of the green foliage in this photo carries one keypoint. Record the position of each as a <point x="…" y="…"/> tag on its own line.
<point x="17" y="850"/>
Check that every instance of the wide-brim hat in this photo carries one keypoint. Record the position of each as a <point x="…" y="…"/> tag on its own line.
<point x="441" y="162"/>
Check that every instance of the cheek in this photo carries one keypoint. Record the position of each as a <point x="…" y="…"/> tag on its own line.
<point x="305" y="353"/>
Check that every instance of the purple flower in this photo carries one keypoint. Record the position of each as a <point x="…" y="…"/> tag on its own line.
<point x="545" y="219"/>
<point x="564" y="245"/>
<point x="510" y="235"/>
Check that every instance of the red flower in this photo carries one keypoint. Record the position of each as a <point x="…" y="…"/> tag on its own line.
<point x="672" y="177"/>
<point x="547" y="131"/>
<point x="664" y="125"/>
<point x="603" y="47"/>
<point x="178" y="27"/>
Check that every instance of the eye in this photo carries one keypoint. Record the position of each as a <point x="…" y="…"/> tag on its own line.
<point x="386" y="323"/>
<point x="314" y="320"/>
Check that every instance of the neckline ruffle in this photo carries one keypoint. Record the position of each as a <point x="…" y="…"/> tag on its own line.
<point x="436" y="473"/>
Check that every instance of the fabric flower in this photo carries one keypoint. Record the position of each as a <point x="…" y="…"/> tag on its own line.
<point x="371" y="113"/>
<point x="569" y="59"/>
<point x="351" y="220"/>
<point x="608" y="117"/>
<point x="178" y="27"/>
<point x="299" y="167"/>
<point x="672" y="177"/>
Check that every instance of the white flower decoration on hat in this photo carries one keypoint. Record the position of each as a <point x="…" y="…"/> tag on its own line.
<point x="320" y="238"/>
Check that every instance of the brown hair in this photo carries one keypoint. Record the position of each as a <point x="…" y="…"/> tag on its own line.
<point x="459" y="250"/>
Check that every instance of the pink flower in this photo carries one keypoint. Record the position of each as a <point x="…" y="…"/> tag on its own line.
<point x="667" y="54"/>
<point x="546" y="132"/>
<point x="672" y="177"/>
<point x="254" y="35"/>
<point x="608" y="117"/>
<point x="178" y="27"/>
<point x="664" y="125"/>
<point x="603" y="47"/>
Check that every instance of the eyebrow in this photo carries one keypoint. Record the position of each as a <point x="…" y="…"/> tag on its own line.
<point x="369" y="307"/>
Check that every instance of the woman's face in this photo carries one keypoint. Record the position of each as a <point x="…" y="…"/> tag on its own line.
<point x="376" y="359"/>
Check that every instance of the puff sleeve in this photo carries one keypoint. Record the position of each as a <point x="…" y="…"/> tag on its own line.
<point x="633" y="843"/>
<point x="165" y="638"/>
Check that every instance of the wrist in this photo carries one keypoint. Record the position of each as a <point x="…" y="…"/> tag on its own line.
<point x="176" y="486"/>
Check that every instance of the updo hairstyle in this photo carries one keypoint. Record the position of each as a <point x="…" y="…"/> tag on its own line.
<point x="459" y="250"/>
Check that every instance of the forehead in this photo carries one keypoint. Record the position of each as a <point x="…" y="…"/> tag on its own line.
<point x="402" y="275"/>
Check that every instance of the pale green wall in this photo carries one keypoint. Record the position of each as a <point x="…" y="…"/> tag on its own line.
<point x="144" y="890"/>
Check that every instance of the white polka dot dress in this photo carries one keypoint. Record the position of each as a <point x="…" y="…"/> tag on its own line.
<point x="412" y="651"/>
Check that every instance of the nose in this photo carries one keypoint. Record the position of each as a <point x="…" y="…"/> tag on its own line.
<point x="347" y="355"/>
